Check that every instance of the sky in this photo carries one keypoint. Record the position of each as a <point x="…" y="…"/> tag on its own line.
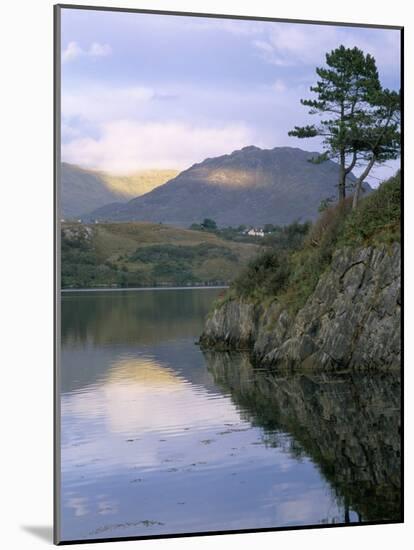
<point x="149" y="91"/>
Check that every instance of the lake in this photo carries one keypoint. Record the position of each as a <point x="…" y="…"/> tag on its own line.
<point x="158" y="437"/>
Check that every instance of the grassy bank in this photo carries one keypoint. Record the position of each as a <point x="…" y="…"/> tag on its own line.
<point x="147" y="254"/>
<point x="290" y="274"/>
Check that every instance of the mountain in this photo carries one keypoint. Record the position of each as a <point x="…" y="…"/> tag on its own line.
<point x="250" y="186"/>
<point x="84" y="190"/>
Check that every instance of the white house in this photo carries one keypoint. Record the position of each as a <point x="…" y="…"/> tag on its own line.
<point x="255" y="232"/>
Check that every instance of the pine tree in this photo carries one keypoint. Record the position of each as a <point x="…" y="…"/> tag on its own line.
<point x="377" y="138"/>
<point x="358" y="118"/>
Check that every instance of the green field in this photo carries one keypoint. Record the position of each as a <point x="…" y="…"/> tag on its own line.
<point x="147" y="254"/>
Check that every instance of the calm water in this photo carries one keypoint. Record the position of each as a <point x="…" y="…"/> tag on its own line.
<point x="158" y="437"/>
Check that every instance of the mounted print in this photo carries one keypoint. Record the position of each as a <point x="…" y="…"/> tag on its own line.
<point x="228" y="270"/>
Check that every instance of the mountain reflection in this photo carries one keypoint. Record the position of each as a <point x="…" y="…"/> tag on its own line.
<point x="148" y="317"/>
<point x="347" y="423"/>
<point x="140" y="396"/>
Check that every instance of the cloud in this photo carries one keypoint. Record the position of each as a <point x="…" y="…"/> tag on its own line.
<point x="74" y="51"/>
<point x="124" y="146"/>
<point x="264" y="46"/>
<point x="240" y="27"/>
<point x="292" y="44"/>
<point x="99" y="50"/>
<point x="279" y="86"/>
<point x="289" y="44"/>
<point x="68" y="131"/>
<point x="201" y="122"/>
<point x="99" y="103"/>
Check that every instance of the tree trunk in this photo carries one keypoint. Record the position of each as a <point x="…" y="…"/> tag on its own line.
<point x="342" y="177"/>
<point x="360" y="181"/>
<point x="355" y="200"/>
<point x="346" y="515"/>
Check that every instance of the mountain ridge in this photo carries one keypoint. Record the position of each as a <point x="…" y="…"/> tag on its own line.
<point x="83" y="190"/>
<point x="249" y="186"/>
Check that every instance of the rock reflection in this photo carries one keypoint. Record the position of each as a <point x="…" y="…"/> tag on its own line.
<point x="347" y="423"/>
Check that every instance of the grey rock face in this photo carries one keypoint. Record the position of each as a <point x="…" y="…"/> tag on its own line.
<point x="352" y="319"/>
<point x="77" y="232"/>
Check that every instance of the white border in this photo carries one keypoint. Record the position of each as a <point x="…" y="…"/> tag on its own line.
<point x="27" y="257"/>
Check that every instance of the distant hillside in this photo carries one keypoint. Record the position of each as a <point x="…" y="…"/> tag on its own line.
<point x="84" y="190"/>
<point x="251" y="186"/>
<point x="147" y="254"/>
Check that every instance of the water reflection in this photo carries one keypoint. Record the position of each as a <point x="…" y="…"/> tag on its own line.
<point x="159" y="438"/>
<point x="347" y="423"/>
<point x="147" y="317"/>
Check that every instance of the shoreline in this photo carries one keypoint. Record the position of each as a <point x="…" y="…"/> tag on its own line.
<point x="142" y="288"/>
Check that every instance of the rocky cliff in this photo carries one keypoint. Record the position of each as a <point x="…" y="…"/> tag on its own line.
<point x="351" y="320"/>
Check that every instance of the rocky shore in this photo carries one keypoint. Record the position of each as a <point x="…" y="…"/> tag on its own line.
<point x="352" y="319"/>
